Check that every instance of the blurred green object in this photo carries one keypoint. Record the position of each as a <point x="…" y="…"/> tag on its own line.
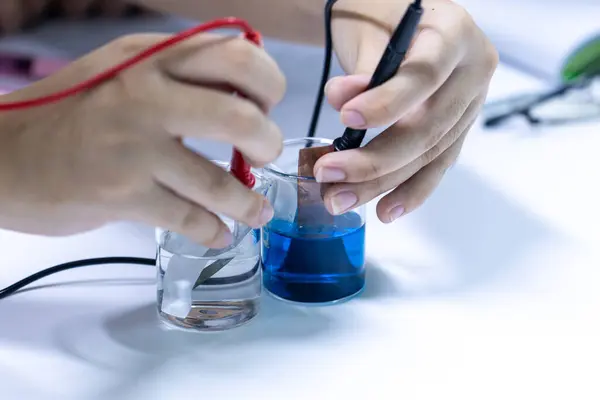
<point x="585" y="61"/>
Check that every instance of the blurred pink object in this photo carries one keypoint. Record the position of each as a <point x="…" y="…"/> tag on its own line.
<point x="43" y="67"/>
<point x="19" y="70"/>
<point x="29" y="67"/>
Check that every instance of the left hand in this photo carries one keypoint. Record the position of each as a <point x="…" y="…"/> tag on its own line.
<point x="428" y="107"/>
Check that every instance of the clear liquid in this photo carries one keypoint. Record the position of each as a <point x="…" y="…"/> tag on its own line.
<point x="228" y="299"/>
<point x="315" y="264"/>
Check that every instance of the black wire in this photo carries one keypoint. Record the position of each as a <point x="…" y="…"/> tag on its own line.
<point x="312" y="129"/>
<point x="14" y="288"/>
<point x="326" y="71"/>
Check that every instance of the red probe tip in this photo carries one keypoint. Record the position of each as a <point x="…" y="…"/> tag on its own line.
<point x="254" y="36"/>
<point x="241" y="169"/>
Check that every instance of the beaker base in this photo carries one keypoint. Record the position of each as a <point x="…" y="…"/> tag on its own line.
<point x="317" y="304"/>
<point x="213" y="316"/>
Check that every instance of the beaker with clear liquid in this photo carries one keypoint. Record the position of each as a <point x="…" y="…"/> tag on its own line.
<point x="206" y="289"/>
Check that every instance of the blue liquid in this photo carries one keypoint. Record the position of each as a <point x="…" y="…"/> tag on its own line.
<point x="316" y="264"/>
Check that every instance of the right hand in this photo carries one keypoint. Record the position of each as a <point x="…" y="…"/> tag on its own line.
<point x="115" y="152"/>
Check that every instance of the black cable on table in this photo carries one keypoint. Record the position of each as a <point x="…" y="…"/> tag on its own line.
<point x="14" y="288"/>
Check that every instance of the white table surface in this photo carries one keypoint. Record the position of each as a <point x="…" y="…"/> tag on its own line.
<point x="489" y="291"/>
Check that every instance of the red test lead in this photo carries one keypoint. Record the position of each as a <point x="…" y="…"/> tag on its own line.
<point x="239" y="167"/>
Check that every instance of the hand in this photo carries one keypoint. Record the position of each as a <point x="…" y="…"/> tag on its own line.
<point x="18" y="14"/>
<point x="114" y="153"/>
<point x="428" y="107"/>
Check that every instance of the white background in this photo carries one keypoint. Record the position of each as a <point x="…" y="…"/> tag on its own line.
<point x="490" y="291"/>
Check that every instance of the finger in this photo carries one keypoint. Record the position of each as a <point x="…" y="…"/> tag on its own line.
<point x="192" y="111"/>
<point x="202" y="182"/>
<point x="341" y="89"/>
<point x="11" y="15"/>
<point x="342" y="197"/>
<point x="428" y="64"/>
<point x="415" y="191"/>
<point x="161" y="207"/>
<point x="76" y="8"/>
<point x="405" y="141"/>
<point x="235" y="62"/>
<point x="371" y="44"/>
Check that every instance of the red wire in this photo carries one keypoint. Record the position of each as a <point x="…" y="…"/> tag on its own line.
<point x="239" y="167"/>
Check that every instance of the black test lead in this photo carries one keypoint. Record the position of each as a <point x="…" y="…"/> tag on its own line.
<point x="388" y="67"/>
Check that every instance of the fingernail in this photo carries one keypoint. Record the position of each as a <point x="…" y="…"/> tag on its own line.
<point x="342" y="202"/>
<point x="396" y="213"/>
<point x="266" y="214"/>
<point x="353" y="119"/>
<point x="330" y="175"/>
<point x="328" y="84"/>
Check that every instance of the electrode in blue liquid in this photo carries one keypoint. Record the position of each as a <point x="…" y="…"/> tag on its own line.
<point x="314" y="264"/>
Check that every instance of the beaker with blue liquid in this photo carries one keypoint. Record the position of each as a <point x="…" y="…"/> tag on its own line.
<point x="309" y="256"/>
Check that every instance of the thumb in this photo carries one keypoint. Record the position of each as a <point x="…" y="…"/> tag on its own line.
<point x="371" y="46"/>
<point x="360" y="63"/>
<point x="342" y="89"/>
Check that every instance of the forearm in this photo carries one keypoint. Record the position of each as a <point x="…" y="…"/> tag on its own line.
<point x="294" y="20"/>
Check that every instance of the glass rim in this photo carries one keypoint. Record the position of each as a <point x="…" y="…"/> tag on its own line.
<point x="257" y="172"/>
<point x="270" y="168"/>
<point x="162" y="237"/>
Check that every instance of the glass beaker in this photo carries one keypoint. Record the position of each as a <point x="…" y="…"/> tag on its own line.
<point x="308" y="255"/>
<point x="210" y="289"/>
